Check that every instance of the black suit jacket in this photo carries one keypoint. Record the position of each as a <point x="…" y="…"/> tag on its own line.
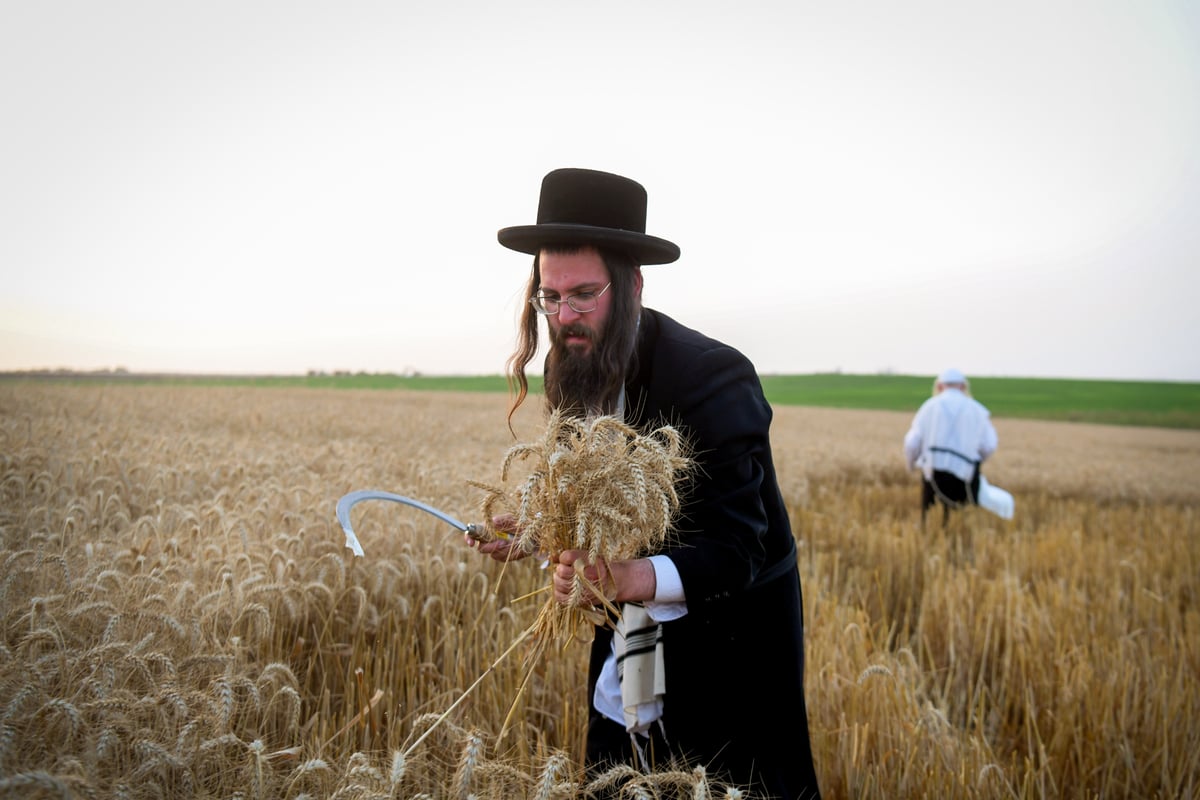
<point x="735" y="662"/>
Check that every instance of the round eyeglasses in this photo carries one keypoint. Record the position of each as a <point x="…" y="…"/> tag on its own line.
<point x="580" y="303"/>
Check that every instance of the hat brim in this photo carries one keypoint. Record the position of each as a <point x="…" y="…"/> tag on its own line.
<point x="643" y="248"/>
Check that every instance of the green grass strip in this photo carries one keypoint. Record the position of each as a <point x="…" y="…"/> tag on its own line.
<point x="1162" y="404"/>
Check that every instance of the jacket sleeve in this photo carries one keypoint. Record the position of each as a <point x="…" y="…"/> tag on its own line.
<point x="914" y="440"/>
<point x="988" y="441"/>
<point x="725" y="535"/>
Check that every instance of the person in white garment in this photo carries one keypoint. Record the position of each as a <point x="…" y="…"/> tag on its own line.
<point x="951" y="436"/>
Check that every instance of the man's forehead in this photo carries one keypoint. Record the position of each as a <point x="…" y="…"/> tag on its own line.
<point x="573" y="270"/>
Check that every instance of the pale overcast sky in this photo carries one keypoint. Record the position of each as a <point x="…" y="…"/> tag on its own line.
<point x="1010" y="188"/>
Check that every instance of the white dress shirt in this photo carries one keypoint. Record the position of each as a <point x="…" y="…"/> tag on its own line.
<point x="951" y="432"/>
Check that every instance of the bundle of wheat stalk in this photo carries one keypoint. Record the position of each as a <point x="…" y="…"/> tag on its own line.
<point x="596" y="485"/>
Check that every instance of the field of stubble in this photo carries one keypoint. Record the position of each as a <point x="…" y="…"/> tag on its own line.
<point x="181" y="617"/>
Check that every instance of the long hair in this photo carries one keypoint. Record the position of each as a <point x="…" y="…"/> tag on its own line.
<point x="617" y="352"/>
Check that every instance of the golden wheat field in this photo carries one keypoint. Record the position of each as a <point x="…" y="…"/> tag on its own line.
<point x="181" y="617"/>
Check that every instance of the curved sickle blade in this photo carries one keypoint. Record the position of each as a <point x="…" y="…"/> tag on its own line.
<point x="347" y="502"/>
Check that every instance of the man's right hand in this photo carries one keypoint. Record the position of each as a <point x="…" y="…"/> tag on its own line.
<point x="503" y="546"/>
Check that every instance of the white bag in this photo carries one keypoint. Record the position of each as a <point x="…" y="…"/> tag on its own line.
<point x="995" y="499"/>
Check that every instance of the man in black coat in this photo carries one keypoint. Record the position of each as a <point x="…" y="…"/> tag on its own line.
<point x="713" y="625"/>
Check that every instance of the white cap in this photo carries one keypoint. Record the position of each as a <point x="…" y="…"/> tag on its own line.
<point x="952" y="375"/>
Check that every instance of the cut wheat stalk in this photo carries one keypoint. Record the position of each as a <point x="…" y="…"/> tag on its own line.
<point x="445" y="714"/>
<point x="596" y="485"/>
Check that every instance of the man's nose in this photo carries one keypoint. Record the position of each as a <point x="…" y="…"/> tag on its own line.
<point x="566" y="314"/>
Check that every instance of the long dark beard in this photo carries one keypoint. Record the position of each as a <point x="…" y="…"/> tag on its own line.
<point x="584" y="383"/>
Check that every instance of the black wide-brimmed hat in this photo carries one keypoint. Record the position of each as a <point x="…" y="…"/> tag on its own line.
<point x="583" y="206"/>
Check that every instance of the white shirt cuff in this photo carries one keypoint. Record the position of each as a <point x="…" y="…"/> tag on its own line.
<point x="669" y="602"/>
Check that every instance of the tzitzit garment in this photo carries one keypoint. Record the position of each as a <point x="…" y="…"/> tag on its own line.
<point x="638" y="645"/>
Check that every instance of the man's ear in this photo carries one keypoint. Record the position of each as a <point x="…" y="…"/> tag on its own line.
<point x="637" y="282"/>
